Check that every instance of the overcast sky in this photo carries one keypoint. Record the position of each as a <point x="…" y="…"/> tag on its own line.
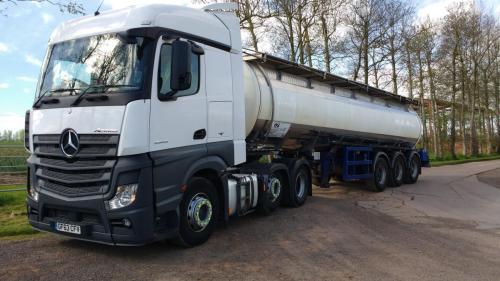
<point x="25" y="31"/>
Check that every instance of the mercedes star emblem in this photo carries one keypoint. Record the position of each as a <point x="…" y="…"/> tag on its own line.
<point x="69" y="143"/>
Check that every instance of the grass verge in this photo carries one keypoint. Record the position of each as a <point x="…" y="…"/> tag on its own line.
<point x="13" y="220"/>
<point x="437" y="163"/>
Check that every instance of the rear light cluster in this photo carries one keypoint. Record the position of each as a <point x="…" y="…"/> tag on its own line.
<point x="27" y="130"/>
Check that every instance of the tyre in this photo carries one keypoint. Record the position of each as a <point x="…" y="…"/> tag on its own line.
<point x="199" y="211"/>
<point x="272" y="197"/>
<point x="300" y="187"/>
<point x="398" y="170"/>
<point x="380" y="175"/>
<point x="412" y="169"/>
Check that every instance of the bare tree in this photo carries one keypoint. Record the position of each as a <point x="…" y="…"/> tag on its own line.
<point x="71" y="7"/>
<point x="365" y="19"/>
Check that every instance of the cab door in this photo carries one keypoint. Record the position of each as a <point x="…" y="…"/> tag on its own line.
<point x="179" y="120"/>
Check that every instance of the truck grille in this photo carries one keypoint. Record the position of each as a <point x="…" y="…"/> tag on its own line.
<point x="88" y="173"/>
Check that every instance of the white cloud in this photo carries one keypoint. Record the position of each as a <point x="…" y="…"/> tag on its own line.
<point x="11" y="121"/>
<point x="27" y="79"/>
<point x="34" y="61"/>
<point x="4" y="86"/>
<point x="47" y="18"/>
<point x="434" y="10"/>
<point x="4" y="48"/>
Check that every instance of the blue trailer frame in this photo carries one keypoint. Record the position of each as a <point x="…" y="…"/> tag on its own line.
<point x="357" y="163"/>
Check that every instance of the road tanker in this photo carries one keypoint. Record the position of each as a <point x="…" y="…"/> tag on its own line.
<point x="153" y="123"/>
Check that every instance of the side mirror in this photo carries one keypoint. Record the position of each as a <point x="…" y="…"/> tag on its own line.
<point x="181" y="66"/>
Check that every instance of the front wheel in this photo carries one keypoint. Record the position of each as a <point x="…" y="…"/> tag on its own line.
<point x="272" y="197"/>
<point x="199" y="211"/>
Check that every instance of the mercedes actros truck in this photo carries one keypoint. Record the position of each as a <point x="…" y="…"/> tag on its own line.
<point x="153" y="123"/>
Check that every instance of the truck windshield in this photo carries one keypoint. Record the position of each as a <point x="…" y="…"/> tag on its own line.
<point x="109" y="60"/>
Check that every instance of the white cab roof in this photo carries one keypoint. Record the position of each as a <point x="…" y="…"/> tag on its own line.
<point x="188" y="20"/>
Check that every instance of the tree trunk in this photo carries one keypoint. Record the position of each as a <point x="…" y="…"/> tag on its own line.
<point x="394" y="74"/>
<point x="365" y="53"/>
<point x="486" y="114"/>
<point x="251" y="29"/>
<point x="410" y="70"/>
<point x="358" y="65"/>
<point x="462" y="108"/>
<point x="497" y="102"/>
<point x="473" y="126"/>
<point x="291" y="38"/>
<point x="326" y="43"/>
<point x="300" y="35"/>
<point x="453" y="98"/>
<point x="435" y="112"/>
<point x="308" y="46"/>
<point x="422" y="102"/>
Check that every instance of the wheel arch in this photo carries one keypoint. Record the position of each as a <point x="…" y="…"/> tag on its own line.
<point x="379" y="154"/>
<point x="210" y="168"/>
<point x="395" y="155"/>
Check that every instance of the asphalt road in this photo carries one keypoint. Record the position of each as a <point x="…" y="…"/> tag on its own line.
<point x="445" y="227"/>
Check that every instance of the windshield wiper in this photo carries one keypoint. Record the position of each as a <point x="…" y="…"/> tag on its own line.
<point x="38" y="102"/>
<point x="82" y="94"/>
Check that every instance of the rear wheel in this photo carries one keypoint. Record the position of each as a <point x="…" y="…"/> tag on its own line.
<point x="380" y="175"/>
<point x="199" y="211"/>
<point x="413" y="170"/>
<point x="397" y="171"/>
<point x="300" y="188"/>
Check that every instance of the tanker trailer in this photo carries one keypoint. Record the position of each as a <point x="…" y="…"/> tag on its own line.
<point x="304" y="110"/>
<point x="151" y="122"/>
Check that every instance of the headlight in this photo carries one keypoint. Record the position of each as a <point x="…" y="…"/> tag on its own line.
<point x="125" y="195"/>
<point x="33" y="193"/>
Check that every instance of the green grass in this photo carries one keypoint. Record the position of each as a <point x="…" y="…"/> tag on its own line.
<point x="9" y="163"/>
<point x="13" y="219"/>
<point x="447" y="160"/>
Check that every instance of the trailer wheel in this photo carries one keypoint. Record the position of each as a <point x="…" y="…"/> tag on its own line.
<point x="199" y="211"/>
<point x="380" y="175"/>
<point x="398" y="171"/>
<point x="413" y="169"/>
<point x="300" y="187"/>
<point x="274" y="193"/>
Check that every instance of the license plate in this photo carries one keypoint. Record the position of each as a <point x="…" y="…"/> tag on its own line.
<point x="69" y="228"/>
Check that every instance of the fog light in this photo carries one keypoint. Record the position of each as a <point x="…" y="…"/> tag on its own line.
<point x="127" y="222"/>
<point x="34" y="194"/>
<point x="125" y="195"/>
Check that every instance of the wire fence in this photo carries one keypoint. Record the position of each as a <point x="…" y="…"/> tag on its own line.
<point x="12" y="167"/>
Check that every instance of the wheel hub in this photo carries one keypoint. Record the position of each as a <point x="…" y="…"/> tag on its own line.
<point x="274" y="188"/>
<point x="199" y="212"/>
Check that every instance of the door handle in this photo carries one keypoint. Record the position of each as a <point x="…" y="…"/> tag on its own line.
<point x="200" y="134"/>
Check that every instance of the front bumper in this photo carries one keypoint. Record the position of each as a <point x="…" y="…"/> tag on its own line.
<point x="89" y="212"/>
<point x="97" y="225"/>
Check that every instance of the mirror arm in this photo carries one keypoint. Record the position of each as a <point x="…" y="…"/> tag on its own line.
<point x="196" y="49"/>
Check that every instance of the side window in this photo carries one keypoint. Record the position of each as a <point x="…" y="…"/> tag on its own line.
<point x="165" y="71"/>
